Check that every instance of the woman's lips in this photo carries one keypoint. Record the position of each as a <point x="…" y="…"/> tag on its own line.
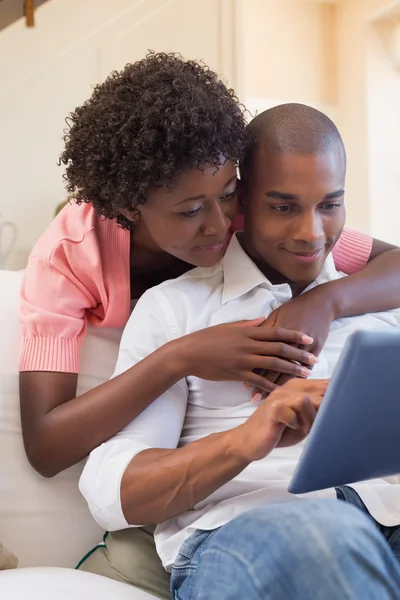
<point x="217" y="247"/>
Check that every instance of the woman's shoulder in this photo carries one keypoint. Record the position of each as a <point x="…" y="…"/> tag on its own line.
<point x="74" y="224"/>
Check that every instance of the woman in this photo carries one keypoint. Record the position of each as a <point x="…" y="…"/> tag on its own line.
<point x="151" y="159"/>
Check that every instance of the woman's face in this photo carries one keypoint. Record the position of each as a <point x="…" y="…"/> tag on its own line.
<point x="190" y="219"/>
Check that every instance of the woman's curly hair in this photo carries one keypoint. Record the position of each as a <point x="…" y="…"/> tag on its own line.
<point x="144" y="126"/>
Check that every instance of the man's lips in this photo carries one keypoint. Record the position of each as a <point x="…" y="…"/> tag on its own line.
<point x="307" y="257"/>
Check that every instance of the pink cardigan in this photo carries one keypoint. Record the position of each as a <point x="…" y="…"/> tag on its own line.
<point x="79" y="273"/>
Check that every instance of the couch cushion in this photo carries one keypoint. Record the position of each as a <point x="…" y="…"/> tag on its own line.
<point x="64" y="584"/>
<point x="43" y="521"/>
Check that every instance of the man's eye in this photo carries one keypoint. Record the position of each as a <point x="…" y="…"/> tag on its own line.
<point x="330" y="206"/>
<point x="282" y="208"/>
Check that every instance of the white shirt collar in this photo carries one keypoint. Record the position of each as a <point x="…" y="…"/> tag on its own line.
<point x="241" y="275"/>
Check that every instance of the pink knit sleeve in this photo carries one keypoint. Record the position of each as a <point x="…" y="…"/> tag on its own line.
<point x="352" y="251"/>
<point x="52" y="317"/>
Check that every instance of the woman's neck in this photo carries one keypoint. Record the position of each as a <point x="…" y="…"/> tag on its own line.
<point x="150" y="266"/>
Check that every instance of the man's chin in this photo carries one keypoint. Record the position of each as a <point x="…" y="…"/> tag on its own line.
<point x="304" y="276"/>
<point x="309" y="270"/>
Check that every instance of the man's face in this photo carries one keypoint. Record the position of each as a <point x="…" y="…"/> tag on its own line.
<point x="294" y="213"/>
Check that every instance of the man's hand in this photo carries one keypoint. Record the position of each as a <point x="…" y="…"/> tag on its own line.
<point x="312" y="313"/>
<point x="284" y="420"/>
<point x="172" y="481"/>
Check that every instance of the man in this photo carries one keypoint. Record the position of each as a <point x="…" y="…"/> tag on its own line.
<point x="204" y="461"/>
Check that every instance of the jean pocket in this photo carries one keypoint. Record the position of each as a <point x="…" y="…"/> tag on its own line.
<point x="190" y="547"/>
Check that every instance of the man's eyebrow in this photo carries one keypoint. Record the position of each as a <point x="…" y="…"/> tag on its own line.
<point x="291" y="197"/>
<point x="280" y="195"/>
<point x="332" y="195"/>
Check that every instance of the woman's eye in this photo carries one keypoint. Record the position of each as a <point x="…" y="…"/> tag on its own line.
<point x="228" y="196"/>
<point x="190" y="213"/>
<point x="196" y="211"/>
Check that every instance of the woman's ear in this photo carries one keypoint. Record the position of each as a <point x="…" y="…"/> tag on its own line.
<point x="130" y="215"/>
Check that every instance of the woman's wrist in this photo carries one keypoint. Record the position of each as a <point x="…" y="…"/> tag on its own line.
<point x="178" y="358"/>
<point x="330" y="295"/>
<point x="333" y="297"/>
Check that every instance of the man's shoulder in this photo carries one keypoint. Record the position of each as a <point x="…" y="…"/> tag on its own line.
<point x="187" y="302"/>
<point x="328" y="271"/>
<point x="208" y="279"/>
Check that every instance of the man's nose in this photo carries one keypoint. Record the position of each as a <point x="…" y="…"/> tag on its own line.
<point x="308" y="228"/>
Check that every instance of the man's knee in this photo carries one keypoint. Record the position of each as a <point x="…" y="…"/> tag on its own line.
<point x="296" y="536"/>
<point x="296" y="521"/>
<point x="304" y="549"/>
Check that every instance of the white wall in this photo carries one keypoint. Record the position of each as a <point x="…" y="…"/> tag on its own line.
<point x="353" y="112"/>
<point x="271" y="51"/>
<point x="328" y="55"/>
<point x="47" y="71"/>
<point x="383" y="114"/>
<point x="287" y="50"/>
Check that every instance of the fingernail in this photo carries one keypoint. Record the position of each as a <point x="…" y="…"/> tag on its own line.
<point x="305" y="372"/>
<point x="256" y="399"/>
<point x="312" y="359"/>
<point x="306" y="339"/>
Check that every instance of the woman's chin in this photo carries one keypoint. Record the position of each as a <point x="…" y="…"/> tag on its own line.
<point x="207" y="258"/>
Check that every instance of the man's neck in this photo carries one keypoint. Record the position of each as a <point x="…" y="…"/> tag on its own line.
<point x="274" y="276"/>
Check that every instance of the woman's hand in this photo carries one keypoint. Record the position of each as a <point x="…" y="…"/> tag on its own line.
<point x="231" y="352"/>
<point x="312" y="313"/>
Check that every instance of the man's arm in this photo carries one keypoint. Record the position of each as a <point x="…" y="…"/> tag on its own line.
<point x="126" y="481"/>
<point x="139" y="476"/>
<point x="158" y="484"/>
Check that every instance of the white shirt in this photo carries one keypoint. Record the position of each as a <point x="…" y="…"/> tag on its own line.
<point x="193" y="408"/>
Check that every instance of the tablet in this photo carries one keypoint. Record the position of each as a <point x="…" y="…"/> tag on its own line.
<point x="356" y="434"/>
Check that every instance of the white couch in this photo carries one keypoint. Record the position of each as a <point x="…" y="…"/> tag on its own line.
<point x="45" y="522"/>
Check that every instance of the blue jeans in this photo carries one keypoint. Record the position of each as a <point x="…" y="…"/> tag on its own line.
<point x="303" y="550"/>
<point x="391" y="534"/>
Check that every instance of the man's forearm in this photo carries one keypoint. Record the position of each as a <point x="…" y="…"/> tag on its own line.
<point x="160" y="484"/>
<point x="375" y="288"/>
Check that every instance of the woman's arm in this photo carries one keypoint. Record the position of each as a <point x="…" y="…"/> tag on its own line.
<point x="61" y="429"/>
<point x="375" y="288"/>
<point x="354" y="250"/>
